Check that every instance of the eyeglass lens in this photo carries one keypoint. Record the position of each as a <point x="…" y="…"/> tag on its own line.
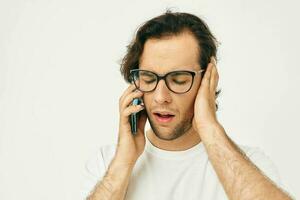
<point x="178" y="81"/>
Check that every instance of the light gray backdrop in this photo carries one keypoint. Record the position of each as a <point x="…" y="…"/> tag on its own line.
<point x="60" y="84"/>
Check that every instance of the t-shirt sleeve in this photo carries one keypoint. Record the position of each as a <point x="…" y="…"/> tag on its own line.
<point x="94" y="171"/>
<point x="265" y="164"/>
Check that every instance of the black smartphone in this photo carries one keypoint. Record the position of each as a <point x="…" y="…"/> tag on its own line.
<point x="135" y="116"/>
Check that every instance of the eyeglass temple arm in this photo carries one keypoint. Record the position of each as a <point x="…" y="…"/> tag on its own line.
<point x="200" y="71"/>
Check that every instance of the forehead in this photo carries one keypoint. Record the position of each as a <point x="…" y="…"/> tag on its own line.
<point x="170" y="53"/>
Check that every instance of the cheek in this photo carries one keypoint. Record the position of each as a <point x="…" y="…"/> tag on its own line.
<point x="147" y="99"/>
<point x="186" y="105"/>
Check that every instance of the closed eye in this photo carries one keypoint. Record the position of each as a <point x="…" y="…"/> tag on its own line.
<point x="148" y="81"/>
<point x="180" y="82"/>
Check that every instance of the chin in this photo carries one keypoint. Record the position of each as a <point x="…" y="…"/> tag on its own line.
<point x="165" y="133"/>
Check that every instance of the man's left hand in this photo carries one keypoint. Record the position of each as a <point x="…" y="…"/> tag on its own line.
<point x="205" y="106"/>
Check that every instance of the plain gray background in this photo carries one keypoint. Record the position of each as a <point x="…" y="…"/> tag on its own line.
<point x="60" y="84"/>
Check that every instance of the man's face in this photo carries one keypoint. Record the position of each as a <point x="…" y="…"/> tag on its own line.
<point x="162" y="56"/>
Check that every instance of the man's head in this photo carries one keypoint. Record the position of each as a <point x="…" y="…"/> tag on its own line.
<point x="170" y="42"/>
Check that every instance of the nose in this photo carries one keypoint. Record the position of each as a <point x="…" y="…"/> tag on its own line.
<point x="162" y="93"/>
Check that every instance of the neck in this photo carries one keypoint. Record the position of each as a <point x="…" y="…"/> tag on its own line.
<point x="186" y="141"/>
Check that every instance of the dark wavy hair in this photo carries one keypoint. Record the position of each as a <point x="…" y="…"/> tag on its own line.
<point x="168" y="24"/>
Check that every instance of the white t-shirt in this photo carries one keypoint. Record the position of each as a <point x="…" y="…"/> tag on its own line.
<point x="171" y="175"/>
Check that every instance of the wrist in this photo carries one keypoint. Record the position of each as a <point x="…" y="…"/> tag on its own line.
<point x="204" y="127"/>
<point x="118" y="172"/>
<point x="209" y="129"/>
<point x="124" y="159"/>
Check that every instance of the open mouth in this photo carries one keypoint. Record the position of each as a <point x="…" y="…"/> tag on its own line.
<point x="163" y="117"/>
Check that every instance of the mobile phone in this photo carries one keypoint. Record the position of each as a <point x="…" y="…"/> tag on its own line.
<point x="135" y="116"/>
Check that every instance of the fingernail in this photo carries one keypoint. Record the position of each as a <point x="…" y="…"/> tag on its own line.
<point x="141" y="106"/>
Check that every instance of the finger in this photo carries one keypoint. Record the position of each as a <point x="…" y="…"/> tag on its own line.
<point x="213" y="60"/>
<point x="214" y="78"/>
<point x="124" y="115"/>
<point x="130" y="110"/>
<point x="129" y="98"/>
<point x="129" y="89"/>
<point x="206" y="78"/>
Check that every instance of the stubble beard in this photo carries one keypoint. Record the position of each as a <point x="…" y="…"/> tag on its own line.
<point x="180" y="129"/>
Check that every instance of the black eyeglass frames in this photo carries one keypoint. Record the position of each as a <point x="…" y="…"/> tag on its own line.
<point x="179" y="81"/>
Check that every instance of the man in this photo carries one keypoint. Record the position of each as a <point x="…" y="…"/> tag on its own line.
<point x="186" y="154"/>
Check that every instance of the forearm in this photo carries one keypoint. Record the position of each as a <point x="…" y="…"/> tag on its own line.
<point x="114" y="184"/>
<point x="240" y="178"/>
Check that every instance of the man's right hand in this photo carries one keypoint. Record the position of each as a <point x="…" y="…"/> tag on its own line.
<point x="115" y="182"/>
<point x="130" y="146"/>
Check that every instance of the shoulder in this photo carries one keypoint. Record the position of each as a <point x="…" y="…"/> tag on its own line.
<point x="100" y="159"/>
<point x="107" y="152"/>
<point x="95" y="168"/>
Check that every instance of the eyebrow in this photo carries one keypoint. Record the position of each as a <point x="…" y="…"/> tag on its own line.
<point x="175" y="70"/>
<point x="147" y="73"/>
